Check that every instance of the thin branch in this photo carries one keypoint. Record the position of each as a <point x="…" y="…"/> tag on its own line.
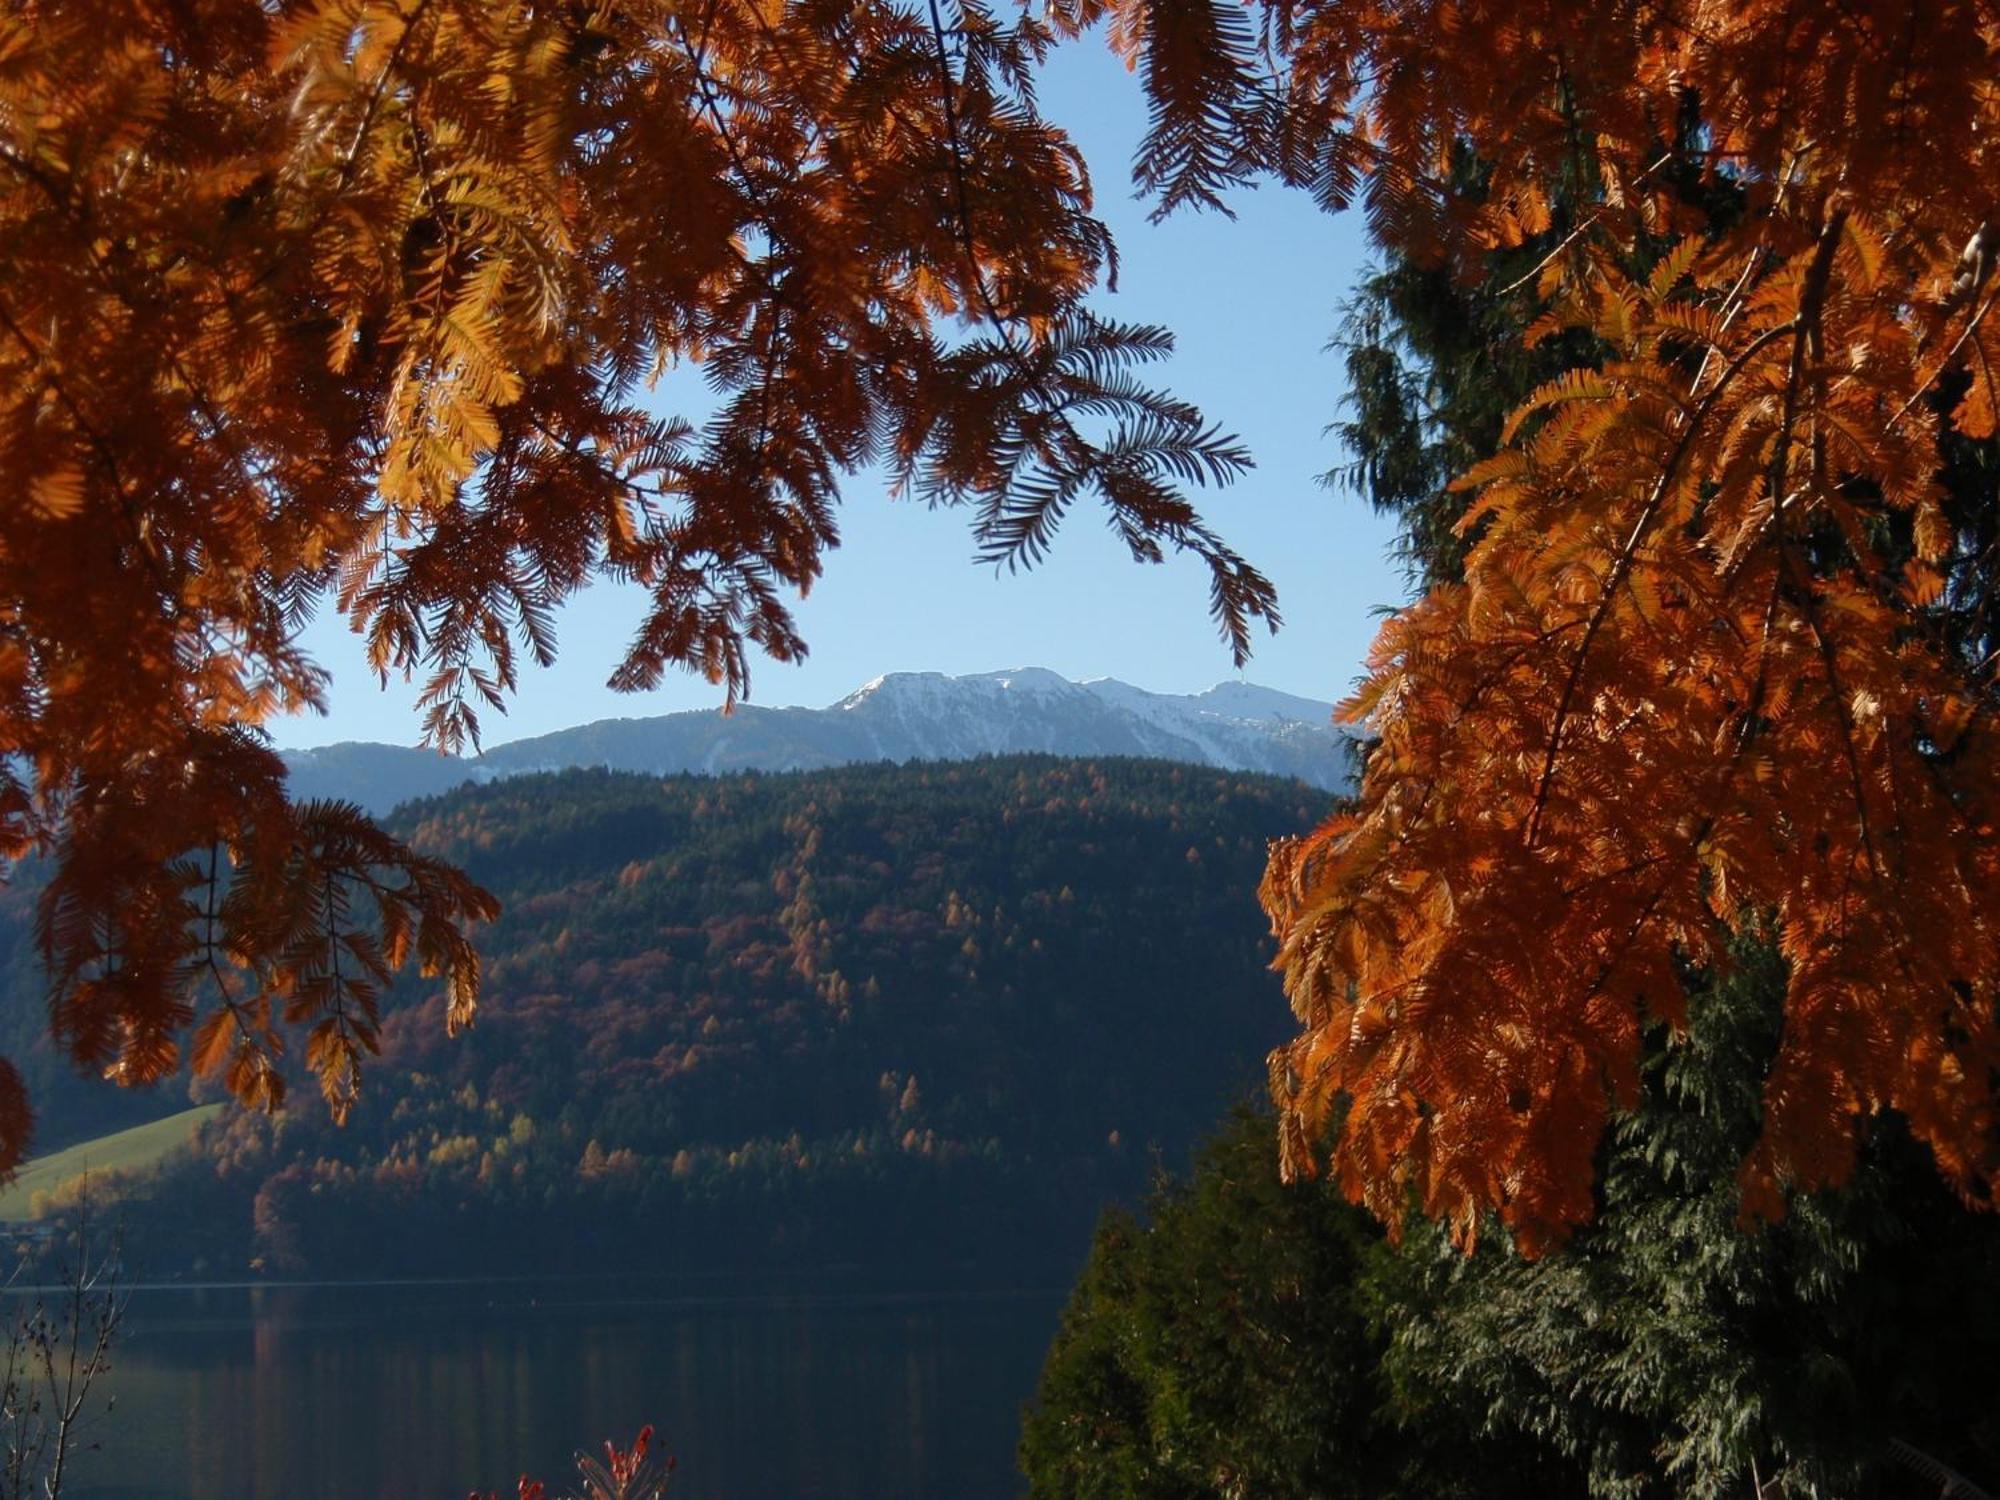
<point x="1804" y="329"/>
<point x="376" y="95"/>
<point x="697" y="56"/>
<point x="1944" y="364"/>
<point x="947" y="89"/>
<point x="1575" y="234"/>
<point x="1622" y="567"/>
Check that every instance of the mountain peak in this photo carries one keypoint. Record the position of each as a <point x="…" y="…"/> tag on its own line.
<point x="899" y="716"/>
<point x="1247" y="700"/>
<point x="925" y="687"/>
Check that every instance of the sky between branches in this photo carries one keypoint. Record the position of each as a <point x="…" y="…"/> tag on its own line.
<point x="1252" y="302"/>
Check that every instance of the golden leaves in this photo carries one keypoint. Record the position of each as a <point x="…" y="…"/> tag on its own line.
<point x="1706" y="668"/>
<point x="57" y="493"/>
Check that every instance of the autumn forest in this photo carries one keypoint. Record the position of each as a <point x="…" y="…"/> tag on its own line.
<point x="1600" y="1097"/>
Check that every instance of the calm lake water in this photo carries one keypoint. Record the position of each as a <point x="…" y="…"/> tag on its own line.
<point x="420" y="1392"/>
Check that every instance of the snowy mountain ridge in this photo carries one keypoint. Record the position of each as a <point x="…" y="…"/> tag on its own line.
<point x="900" y="716"/>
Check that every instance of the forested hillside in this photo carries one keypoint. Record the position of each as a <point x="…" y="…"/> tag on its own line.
<point x="934" y="1012"/>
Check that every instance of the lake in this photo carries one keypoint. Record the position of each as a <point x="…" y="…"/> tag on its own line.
<point x="424" y="1391"/>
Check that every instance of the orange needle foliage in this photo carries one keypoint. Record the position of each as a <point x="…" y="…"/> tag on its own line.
<point x="1698" y="674"/>
<point x="353" y="299"/>
<point x="356" y="300"/>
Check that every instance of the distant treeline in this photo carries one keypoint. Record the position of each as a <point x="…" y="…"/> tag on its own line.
<point x="932" y="1012"/>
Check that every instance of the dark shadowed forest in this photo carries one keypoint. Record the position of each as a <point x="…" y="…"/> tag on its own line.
<point x="915" y="1014"/>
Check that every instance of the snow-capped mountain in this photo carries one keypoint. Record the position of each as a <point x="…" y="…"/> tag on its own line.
<point x="903" y="716"/>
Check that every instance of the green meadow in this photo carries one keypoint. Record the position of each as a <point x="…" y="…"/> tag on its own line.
<point x="130" y="1150"/>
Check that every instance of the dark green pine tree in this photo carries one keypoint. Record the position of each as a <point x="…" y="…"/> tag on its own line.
<point x="1230" y="1344"/>
<point x="1671" y="1351"/>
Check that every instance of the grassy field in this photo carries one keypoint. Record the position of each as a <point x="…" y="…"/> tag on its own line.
<point x="121" y="1151"/>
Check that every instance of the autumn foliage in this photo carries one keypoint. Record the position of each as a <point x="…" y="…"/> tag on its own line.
<point x="356" y="302"/>
<point x="625" y="1474"/>
<point x="1722" y="654"/>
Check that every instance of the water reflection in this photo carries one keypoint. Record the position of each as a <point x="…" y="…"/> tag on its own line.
<point x="408" y="1392"/>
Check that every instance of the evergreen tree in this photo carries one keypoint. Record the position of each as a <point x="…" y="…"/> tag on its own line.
<point x="1229" y="1344"/>
<point x="1671" y="1350"/>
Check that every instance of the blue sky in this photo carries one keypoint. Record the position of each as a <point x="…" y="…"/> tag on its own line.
<point x="1252" y="303"/>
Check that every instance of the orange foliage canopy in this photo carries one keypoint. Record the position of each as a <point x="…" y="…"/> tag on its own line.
<point x="355" y="300"/>
<point x="1697" y="676"/>
<point x="352" y="299"/>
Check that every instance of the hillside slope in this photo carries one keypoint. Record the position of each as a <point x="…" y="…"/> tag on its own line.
<point x="88" y="1164"/>
<point x="924" y="1013"/>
